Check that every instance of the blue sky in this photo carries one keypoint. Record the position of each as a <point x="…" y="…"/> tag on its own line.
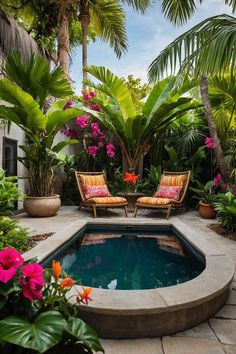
<point x="147" y="35"/>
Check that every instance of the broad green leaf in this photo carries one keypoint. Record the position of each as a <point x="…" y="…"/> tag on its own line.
<point x="84" y="334"/>
<point x="63" y="144"/>
<point x="40" y="335"/>
<point x="56" y="119"/>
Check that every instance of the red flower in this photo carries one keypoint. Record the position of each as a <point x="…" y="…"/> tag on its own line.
<point x="10" y="260"/>
<point x="32" y="282"/>
<point x="130" y="178"/>
<point x="84" y="296"/>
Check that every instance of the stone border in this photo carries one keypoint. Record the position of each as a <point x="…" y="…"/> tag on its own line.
<point x="155" y="312"/>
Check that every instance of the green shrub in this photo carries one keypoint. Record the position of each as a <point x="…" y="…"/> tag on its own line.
<point x="226" y="211"/>
<point x="13" y="235"/>
<point x="9" y="193"/>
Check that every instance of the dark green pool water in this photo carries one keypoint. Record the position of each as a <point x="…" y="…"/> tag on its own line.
<point x="129" y="260"/>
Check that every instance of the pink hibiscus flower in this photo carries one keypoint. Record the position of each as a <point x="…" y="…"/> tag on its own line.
<point x="10" y="260"/>
<point x="70" y="133"/>
<point x="110" y="150"/>
<point x="96" y="131"/>
<point x="217" y="180"/>
<point x="32" y="283"/>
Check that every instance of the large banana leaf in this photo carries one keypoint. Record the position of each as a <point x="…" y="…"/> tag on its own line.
<point x="56" y="119"/>
<point x="159" y="94"/>
<point x="35" y="118"/>
<point x="117" y="89"/>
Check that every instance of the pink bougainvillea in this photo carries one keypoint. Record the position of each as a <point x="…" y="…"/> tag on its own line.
<point x="217" y="180"/>
<point x="92" y="94"/>
<point x="95" y="107"/>
<point x="68" y="104"/>
<point x="82" y="121"/>
<point x="210" y="143"/>
<point x="96" y="131"/>
<point x="110" y="150"/>
<point x="70" y="133"/>
<point x="92" y="150"/>
<point x="32" y="282"/>
<point x="10" y="260"/>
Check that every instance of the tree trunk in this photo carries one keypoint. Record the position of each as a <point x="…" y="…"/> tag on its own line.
<point x="224" y="169"/>
<point x="63" y="37"/>
<point x="84" y="18"/>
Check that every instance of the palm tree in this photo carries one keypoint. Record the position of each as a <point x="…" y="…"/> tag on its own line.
<point x="207" y="48"/>
<point x="134" y="130"/>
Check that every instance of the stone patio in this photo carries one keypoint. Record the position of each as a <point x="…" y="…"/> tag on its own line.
<point x="216" y="336"/>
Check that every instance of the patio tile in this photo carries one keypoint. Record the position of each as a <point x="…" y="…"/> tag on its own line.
<point x="225" y="330"/>
<point x="135" y="346"/>
<point x="230" y="349"/>
<point x="227" y="311"/>
<point x="187" y="345"/>
<point x="232" y="295"/>
<point x="201" y="331"/>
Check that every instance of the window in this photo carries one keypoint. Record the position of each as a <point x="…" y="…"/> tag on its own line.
<point x="10" y="156"/>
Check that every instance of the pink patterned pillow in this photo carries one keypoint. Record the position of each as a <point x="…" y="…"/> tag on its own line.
<point x="170" y="192"/>
<point x="95" y="191"/>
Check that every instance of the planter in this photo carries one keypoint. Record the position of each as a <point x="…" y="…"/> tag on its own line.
<point x="42" y="206"/>
<point x="206" y="211"/>
<point x="131" y="199"/>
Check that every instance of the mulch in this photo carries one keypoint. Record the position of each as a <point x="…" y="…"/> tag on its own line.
<point x="220" y="231"/>
<point x="34" y="240"/>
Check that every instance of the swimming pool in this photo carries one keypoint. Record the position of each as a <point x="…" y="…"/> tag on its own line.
<point x="129" y="258"/>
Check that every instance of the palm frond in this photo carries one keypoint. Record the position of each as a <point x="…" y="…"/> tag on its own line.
<point x="208" y="47"/>
<point x="138" y="5"/>
<point x="178" y="12"/>
<point x="14" y="38"/>
<point x="108" y="18"/>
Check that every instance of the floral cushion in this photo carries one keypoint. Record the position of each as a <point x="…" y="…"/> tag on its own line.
<point x="95" y="191"/>
<point x="170" y="192"/>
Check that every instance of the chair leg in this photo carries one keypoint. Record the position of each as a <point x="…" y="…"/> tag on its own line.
<point x="168" y="212"/>
<point x="94" y="211"/>
<point x="126" y="211"/>
<point x="135" y="211"/>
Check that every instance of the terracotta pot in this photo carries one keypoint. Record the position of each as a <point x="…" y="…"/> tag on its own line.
<point x="42" y="206"/>
<point x="206" y="211"/>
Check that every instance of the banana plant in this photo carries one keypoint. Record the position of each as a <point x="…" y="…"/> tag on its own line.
<point x="26" y="111"/>
<point x="134" y="131"/>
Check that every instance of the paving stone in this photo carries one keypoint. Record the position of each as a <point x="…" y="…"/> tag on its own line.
<point x="135" y="346"/>
<point x="225" y="330"/>
<point x="227" y="311"/>
<point x="232" y="296"/>
<point x="187" y="345"/>
<point x="229" y="349"/>
<point x="202" y="331"/>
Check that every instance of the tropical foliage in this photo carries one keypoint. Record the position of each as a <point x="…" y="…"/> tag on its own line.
<point x="134" y="131"/>
<point x="35" y="312"/>
<point x="13" y="235"/>
<point x="26" y="110"/>
<point x="225" y="205"/>
<point x="9" y="193"/>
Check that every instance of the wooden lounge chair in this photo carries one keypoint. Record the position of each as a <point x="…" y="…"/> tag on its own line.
<point x="167" y="179"/>
<point x="97" y="179"/>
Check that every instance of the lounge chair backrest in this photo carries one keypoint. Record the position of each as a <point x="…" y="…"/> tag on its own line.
<point x="89" y="179"/>
<point x="176" y="179"/>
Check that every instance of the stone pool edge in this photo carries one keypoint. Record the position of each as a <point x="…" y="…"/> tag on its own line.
<point x="155" y="312"/>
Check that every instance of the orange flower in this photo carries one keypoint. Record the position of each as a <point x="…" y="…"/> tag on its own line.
<point x="57" y="269"/>
<point x="130" y="177"/>
<point x="66" y="283"/>
<point x="84" y="296"/>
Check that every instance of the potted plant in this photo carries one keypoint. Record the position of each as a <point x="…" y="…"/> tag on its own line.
<point x="36" y="315"/>
<point x="225" y="205"/>
<point x="25" y="91"/>
<point x="206" y="195"/>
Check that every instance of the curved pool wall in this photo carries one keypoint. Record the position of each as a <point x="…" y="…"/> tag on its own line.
<point x="156" y="312"/>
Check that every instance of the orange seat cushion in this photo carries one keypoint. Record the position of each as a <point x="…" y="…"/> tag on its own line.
<point x="154" y="201"/>
<point x="106" y="200"/>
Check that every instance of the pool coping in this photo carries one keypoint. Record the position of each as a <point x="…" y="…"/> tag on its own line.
<point x="210" y="287"/>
